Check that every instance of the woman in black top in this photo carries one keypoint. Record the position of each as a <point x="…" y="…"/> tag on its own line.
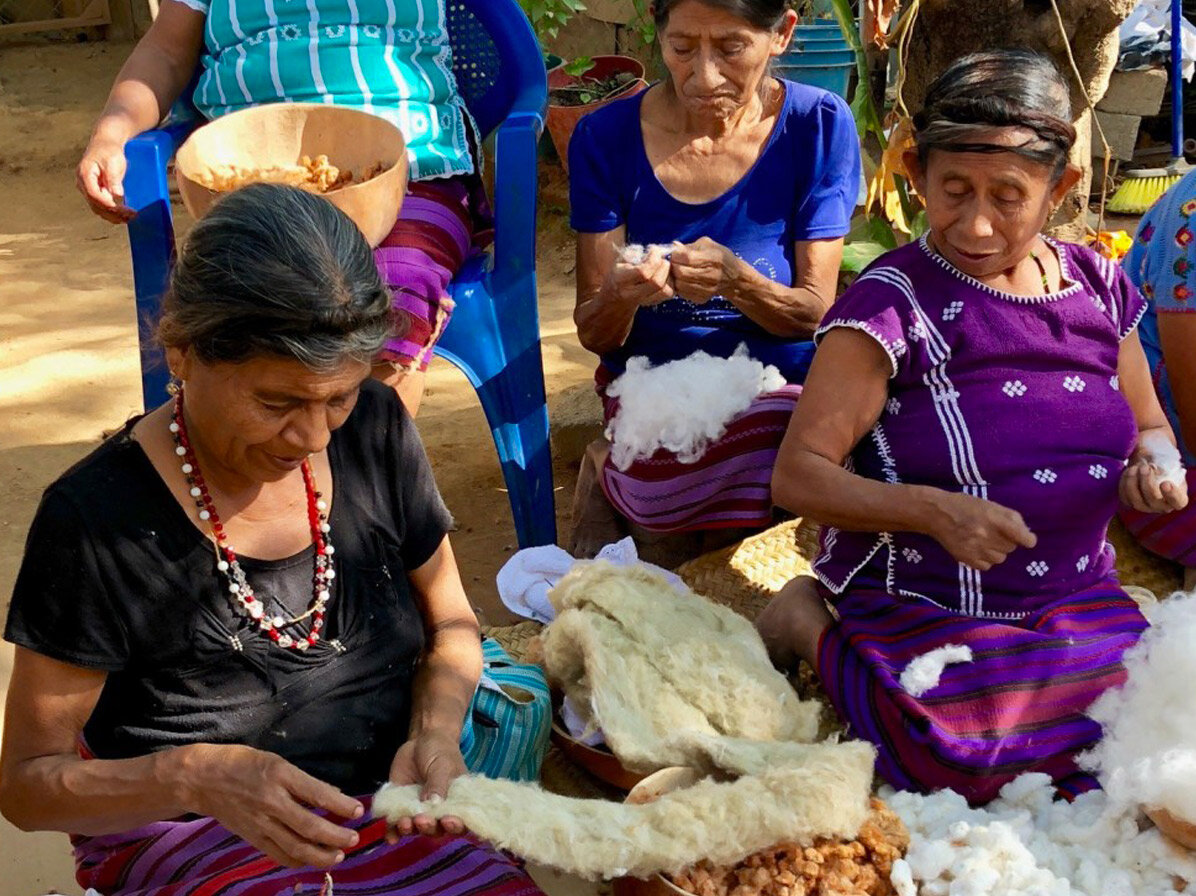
<point x="242" y="611"/>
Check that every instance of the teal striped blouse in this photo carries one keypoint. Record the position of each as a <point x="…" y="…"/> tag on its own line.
<point x="388" y="57"/>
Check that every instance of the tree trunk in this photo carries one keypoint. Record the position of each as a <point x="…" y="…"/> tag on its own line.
<point x="948" y="29"/>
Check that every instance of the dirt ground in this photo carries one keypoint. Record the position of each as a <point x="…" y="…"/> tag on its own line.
<point x="69" y="368"/>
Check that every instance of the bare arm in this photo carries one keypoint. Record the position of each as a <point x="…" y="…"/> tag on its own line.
<point x="1141" y="485"/>
<point x="609" y="291"/>
<point x="1177" y="333"/>
<point x="842" y="399"/>
<point x="442" y="693"/>
<point x="44" y="785"/>
<point x="706" y="268"/>
<point x="153" y="77"/>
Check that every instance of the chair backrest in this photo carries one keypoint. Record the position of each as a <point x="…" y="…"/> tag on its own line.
<point x="495" y="57"/>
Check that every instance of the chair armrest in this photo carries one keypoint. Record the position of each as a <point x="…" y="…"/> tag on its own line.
<point x="515" y="192"/>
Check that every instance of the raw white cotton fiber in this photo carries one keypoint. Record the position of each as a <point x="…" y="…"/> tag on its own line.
<point x="1164" y="457"/>
<point x="634" y="253"/>
<point x="682" y="406"/>
<point x="1027" y="843"/>
<point x="1147" y="757"/>
<point x="722" y="822"/>
<point x="648" y="661"/>
<point x="673" y="680"/>
<point x="923" y="672"/>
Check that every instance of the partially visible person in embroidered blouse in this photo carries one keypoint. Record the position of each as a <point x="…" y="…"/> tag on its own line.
<point x="978" y="405"/>
<point x="756" y="178"/>
<point x="241" y="613"/>
<point x="1162" y="263"/>
<point x="388" y="57"/>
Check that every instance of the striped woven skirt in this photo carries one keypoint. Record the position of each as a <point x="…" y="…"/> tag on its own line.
<point x="1170" y="535"/>
<point x="440" y="224"/>
<point x="1017" y="707"/>
<point x="728" y="486"/>
<point x="203" y="858"/>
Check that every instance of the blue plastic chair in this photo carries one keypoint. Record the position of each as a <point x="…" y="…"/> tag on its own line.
<point x="494" y="334"/>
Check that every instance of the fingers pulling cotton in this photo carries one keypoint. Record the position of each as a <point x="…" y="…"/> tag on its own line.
<point x="682" y="406"/>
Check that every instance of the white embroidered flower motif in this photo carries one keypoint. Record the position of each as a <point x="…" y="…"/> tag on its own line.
<point x="915" y="331"/>
<point x="1046" y="475"/>
<point x="1115" y="382"/>
<point x="1098" y="471"/>
<point x="419" y="122"/>
<point x="952" y="311"/>
<point x="1037" y="568"/>
<point x="911" y="555"/>
<point x="945" y="396"/>
<point x="405" y="36"/>
<point x="893" y="406"/>
<point x="1014" y="388"/>
<point x="291" y="32"/>
<point x="372" y="31"/>
<point x="446" y="119"/>
<point x="1082" y="563"/>
<point x="1074" y="383"/>
<point x="335" y="31"/>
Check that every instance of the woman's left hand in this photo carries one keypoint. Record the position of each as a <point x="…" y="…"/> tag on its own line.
<point x="702" y="269"/>
<point x="432" y="761"/>
<point x="1143" y="487"/>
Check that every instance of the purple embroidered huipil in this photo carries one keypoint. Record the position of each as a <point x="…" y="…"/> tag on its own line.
<point x="1010" y="398"/>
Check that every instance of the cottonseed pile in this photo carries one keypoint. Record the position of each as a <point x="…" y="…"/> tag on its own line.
<point x="682" y="406"/>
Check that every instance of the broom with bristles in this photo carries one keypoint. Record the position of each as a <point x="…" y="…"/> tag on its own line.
<point x="1143" y="187"/>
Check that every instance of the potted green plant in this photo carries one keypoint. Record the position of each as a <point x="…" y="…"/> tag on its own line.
<point x="547" y="18"/>
<point x="583" y="85"/>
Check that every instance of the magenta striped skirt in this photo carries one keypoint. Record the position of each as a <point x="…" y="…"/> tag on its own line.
<point x="203" y="858"/>
<point x="1017" y="707"/>
<point x="440" y="224"/>
<point x="729" y="486"/>
<point x="1170" y="535"/>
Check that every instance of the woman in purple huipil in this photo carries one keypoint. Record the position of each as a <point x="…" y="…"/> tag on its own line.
<point x="976" y="408"/>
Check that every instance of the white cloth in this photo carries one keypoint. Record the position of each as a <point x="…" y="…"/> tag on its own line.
<point x="1150" y="21"/>
<point x="525" y="580"/>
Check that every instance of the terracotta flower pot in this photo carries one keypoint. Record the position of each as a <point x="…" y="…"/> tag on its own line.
<point x="281" y="134"/>
<point x="563" y="119"/>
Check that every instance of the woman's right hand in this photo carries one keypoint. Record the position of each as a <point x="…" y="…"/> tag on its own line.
<point x="269" y="802"/>
<point x="976" y="532"/>
<point x="649" y="282"/>
<point x="100" y="178"/>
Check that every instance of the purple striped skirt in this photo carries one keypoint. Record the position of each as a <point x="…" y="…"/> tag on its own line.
<point x="201" y="857"/>
<point x="1017" y="707"/>
<point x="728" y="486"/>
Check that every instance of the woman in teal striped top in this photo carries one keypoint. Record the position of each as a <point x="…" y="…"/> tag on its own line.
<point x="388" y="57"/>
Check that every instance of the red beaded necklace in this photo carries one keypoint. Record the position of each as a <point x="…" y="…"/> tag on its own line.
<point x="241" y="595"/>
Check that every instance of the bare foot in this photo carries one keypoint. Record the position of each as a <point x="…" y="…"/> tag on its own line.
<point x="793" y="622"/>
<point x="595" y="522"/>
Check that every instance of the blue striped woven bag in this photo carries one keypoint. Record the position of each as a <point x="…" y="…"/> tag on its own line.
<point x="506" y="731"/>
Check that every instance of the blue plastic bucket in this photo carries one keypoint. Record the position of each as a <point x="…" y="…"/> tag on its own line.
<point x="833" y="77"/>
<point x="819" y="57"/>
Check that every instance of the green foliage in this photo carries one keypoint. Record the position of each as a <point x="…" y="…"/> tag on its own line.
<point x="643" y="24"/>
<point x="549" y="16"/>
<point x="579" y="66"/>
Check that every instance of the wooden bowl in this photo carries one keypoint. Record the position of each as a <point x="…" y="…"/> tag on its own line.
<point x="598" y="761"/>
<point x="649" y="789"/>
<point x="1175" y="829"/>
<point x="281" y="134"/>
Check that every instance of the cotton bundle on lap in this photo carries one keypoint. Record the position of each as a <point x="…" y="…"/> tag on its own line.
<point x="672" y="679"/>
<point x="682" y="406"/>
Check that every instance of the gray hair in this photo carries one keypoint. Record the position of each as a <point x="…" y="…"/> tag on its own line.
<point x="275" y="271"/>
<point x="1011" y="88"/>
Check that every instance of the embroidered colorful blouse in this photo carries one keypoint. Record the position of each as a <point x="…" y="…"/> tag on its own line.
<point x="1009" y="398"/>
<point x="388" y="57"/>
<point x="1162" y="263"/>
